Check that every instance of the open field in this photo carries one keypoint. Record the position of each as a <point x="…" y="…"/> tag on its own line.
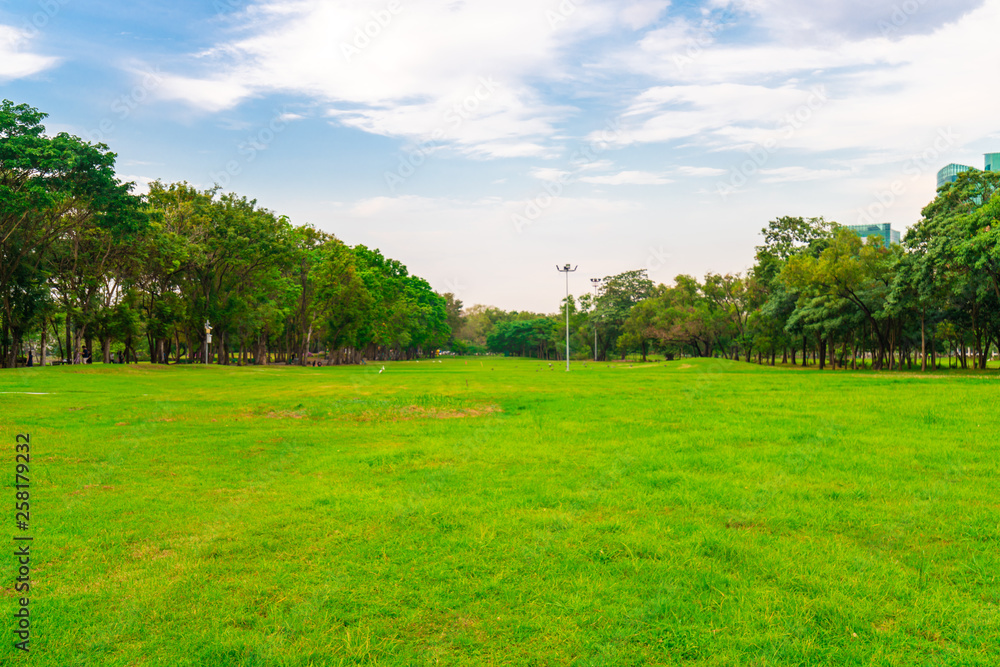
<point x="495" y="511"/>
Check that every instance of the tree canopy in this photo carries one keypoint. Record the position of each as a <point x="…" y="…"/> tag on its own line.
<point x="144" y="274"/>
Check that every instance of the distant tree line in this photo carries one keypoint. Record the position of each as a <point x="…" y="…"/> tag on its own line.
<point x="486" y="329"/>
<point x="817" y="293"/>
<point x="84" y="260"/>
<point x="88" y="266"/>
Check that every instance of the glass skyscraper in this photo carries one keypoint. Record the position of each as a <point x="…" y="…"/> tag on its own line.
<point x="949" y="174"/>
<point x="883" y="230"/>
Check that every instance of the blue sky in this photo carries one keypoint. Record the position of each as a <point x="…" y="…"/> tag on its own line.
<point x="483" y="143"/>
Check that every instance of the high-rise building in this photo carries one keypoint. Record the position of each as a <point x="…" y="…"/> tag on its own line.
<point x="883" y="230"/>
<point x="949" y="174"/>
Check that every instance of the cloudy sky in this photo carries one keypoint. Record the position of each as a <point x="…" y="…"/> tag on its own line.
<point x="482" y="143"/>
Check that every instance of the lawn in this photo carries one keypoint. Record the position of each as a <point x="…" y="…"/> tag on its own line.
<point x="502" y="512"/>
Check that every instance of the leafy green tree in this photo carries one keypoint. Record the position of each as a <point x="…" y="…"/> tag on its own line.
<point x="341" y="299"/>
<point x="617" y="295"/>
<point x="858" y="272"/>
<point x="526" y="338"/>
<point x="53" y="189"/>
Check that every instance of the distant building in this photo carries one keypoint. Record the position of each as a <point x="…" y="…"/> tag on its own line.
<point x="883" y="230"/>
<point x="949" y="174"/>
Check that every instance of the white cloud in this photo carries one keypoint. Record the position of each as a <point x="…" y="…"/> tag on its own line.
<point x="889" y="95"/>
<point x="549" y="174"/>
<point x="15" y="63"/>
<point x="596" y="165"/>
<point x="800" y="173"/>
<point x="140" y="183"/>
<point x="212" y="94"/>
<point x="456" y="73"/>
<point x="698" y="172"/>
<point x="809" y="22"/>
<point x="629" y="178"/>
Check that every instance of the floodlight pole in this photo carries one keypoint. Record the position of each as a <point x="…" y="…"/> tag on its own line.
<point x="565" y="269"/>
<point x="208" y="339"/>
<point x="595" y="282"/>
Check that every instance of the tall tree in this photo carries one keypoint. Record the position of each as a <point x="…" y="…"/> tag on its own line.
<point x="53" y="189"/>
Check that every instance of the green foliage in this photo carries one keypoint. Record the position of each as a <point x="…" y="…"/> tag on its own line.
<point x="64" y="219"/>
<point x="122" y="268"/>
<point x="526" y="338"/>
<point x="617" y="295"/>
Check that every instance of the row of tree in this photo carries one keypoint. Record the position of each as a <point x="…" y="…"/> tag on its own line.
<point x="158" y="276"/>
<point x="83" y="259"/>
<point x="597" y="323"/>
<point x="820" y="289"/>
<point x="817" y="291"/>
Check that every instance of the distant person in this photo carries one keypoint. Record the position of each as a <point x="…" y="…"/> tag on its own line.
<point x="31" y="359"/>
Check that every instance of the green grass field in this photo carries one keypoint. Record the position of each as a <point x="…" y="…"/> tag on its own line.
<point x="496" y="512"/>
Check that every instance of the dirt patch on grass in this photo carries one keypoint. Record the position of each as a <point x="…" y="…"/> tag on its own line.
<point x="147" y="552"/>
<point x="416" y="412"/>
<point x="286" y="414"/>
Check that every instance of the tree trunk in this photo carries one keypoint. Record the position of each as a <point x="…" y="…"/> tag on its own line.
<point x="304" y="350"/>
<point x="923" y="339"/>
<point x="77" y="347"/>
<point x="69" y="338"/>
<point x="41" y="349"/>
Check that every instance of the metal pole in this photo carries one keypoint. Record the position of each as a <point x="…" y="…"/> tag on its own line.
<point x="567" y="271"/>
<point x="208" y="339"/>
<point x="567" y="321"/>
